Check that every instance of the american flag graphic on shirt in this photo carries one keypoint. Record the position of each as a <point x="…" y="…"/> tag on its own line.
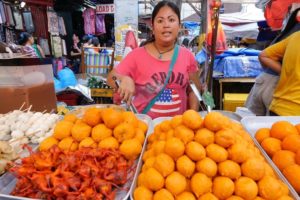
<point x="167" y="104"/>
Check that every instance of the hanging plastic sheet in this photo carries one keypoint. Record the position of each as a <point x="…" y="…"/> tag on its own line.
<point x="221" y="45"/>
<point x="275" y="12"/>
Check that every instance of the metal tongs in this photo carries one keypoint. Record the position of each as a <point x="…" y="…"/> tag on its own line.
<point x="199" y="97"/>
<point x="131" y="106"/>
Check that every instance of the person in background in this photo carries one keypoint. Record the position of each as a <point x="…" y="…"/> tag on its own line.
<point x="87" y="40"/>
<point x="76" y="47"/>
<point x="26" y="40"/>
<point x="94" y="47"/>
<point x="38" y="49"/>
<point x="261" y="94"/>
<point x="284" y="58"/>
<point x="75" y="54"/>
<point x="143" y="72"/>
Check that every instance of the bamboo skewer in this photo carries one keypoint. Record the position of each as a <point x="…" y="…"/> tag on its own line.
<point x="20" y="138"/>
<point x="22" y="106"/>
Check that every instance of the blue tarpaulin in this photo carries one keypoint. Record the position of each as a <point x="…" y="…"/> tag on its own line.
<point x="238" y="62"/>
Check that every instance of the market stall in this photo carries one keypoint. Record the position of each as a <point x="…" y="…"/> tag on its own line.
<point x="106" y="151"/>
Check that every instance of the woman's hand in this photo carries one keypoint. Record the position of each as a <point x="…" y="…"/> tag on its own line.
<point x="126" y="88"/>
<point x="75" y="46"/>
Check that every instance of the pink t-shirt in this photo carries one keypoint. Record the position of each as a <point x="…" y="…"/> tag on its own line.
<point x="89" y="16"/>
<point x="149" y="74"/>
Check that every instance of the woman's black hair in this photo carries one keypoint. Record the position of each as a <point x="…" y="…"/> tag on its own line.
<point x="95" y="41"/>
<point x="87" y="38"/>
<point x="161" y="4"/>
<point x="23" y="38"/>
<point x="288" y="29"/>
<point x="156" y="9"/>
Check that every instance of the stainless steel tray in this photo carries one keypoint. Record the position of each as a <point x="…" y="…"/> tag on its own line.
<point x="232" y="115"/>
<point x="140" y="163"/>
<point x="293" y="193"/>
<point x="252" y="124"/>
<point x="8" y="181"/>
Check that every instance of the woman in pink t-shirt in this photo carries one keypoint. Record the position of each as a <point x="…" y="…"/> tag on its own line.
<point x="143" y="71"/>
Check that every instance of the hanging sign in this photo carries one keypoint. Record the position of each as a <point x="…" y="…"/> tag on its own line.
<point x="105" y="8"/>
<point x="126" y="18"/>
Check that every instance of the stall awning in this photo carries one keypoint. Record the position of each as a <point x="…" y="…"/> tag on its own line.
<point x="240" y="1"/>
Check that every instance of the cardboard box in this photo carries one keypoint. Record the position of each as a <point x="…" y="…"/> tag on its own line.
<point x="233" y="100"/>
<point x="101" y="92"/>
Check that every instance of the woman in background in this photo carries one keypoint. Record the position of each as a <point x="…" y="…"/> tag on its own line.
<point x="28" y="47"/>
<point x="94" y="47"/>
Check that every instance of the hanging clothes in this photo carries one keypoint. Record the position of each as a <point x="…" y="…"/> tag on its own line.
<point x="56" y="46"/>
<point x="89" y="16"/>
<point x="2" y="13"/>
<point x="45" y="46"/>
<point x="100" y="24"/>
<point x="18" y="19"/>
<point x="28" y="21"/>
<point x="2" y="33"/>
<point x="10" y="36"/>
<point x="61" y="26"/>
<point x="52" y="22"/>
<point x="9" y="16"/>
<point x="39" y="17"/>
<point x="64" y="47"/>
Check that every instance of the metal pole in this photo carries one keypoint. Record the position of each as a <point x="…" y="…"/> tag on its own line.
<point x="203" y="24"/>
<point x="178" y="3"/>
<point x="215" y="22"/>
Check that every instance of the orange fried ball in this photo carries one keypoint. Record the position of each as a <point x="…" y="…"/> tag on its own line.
<point x="92" y="116"/>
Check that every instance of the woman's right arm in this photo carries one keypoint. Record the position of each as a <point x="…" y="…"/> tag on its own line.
<point x="110" y="80"/>
<point x="126" y="85"/>
<point x="75" y="47"/>
<point x="76" y="53"/>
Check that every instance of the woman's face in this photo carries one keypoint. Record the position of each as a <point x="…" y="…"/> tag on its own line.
<point x="75" y="38"/>
<point x="166" y="26"/>
<point x="31" y="40"/>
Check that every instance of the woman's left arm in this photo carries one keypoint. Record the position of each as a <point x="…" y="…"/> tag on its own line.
<point x="192" y="99"/>
<point x="41" y="50"/>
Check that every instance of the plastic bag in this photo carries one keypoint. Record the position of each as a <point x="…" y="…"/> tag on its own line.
<point x="221" y="45"/>
<point x="57" y="84"/>
<point x="67" y="77"/>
